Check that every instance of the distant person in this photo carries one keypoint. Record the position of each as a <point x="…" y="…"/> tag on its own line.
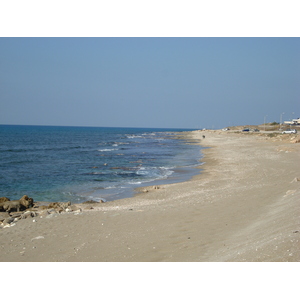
<point x="203" y="136"/>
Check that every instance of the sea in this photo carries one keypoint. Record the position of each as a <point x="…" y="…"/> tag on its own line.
<point x="54" y="163"/>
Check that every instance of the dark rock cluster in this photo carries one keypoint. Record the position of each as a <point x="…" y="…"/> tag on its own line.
<point x="12" y="211"/>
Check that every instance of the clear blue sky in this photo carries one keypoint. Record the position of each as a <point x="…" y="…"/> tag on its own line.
<point x="149" y="82"/>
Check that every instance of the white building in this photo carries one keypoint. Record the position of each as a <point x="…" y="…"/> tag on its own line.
<point x="293" y="122"/>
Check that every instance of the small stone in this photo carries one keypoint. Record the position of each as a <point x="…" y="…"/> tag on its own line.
<point x="295" y="179"/>
<point x="74" y="207"/>
<point x="3" y="216"/>
<point x="37" y="238"/>
<point x="51" y="215"/>
<point x="8" y="220"/>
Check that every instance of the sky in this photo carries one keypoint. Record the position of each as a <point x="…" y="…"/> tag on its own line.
<point x="175" y="82"/>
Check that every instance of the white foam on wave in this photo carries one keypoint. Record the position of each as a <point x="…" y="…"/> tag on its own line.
<point x="133" y="136"/>
<point x="110" y="187"/>
<point x="106" y="150"/>
<point x="155" y="172"/>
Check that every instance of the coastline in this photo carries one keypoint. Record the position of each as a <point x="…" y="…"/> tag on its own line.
<point x="180" y="173"/>
<point x="242" y="207"/>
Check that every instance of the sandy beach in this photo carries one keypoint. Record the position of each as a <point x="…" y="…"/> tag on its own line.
<point x="244" y="206"/>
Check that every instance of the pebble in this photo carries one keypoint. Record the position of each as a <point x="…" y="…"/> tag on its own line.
<point x="9" y="225"/>
<point x="51" y="216"/>
<point x="38" y="238"/>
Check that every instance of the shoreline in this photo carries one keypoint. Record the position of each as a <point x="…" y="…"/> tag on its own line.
<point x="243" y="206"/>
<point x="180" y="173"/>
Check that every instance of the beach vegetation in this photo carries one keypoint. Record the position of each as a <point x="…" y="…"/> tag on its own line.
<point x="273" y="134"/>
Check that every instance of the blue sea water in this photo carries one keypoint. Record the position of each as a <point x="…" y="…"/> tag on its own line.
<point x="51" y="163"/>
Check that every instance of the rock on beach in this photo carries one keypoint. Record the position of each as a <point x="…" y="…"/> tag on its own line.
<point x="10" y="214"/>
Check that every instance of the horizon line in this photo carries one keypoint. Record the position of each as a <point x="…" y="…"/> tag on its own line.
<point x="93" y="126"/>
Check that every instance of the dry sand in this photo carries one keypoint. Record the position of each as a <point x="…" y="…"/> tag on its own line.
<point x="244" y="206"/>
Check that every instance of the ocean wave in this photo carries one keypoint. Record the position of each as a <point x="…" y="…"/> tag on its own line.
<point x="94" y="173"/>
<point x="106" y="150"/>
<point x="155" y="172"/>
<point x="135" y="182"/>
<point x="19" y="162"/>
<point x="14" y="150"/>
<point x="40" y="149"/>
<point x="112" y="143"/>
<point x="110" y="187"/>
<point x="133" y="136"/>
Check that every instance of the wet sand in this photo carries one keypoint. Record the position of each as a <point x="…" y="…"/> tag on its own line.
<point x="244" y="206"/>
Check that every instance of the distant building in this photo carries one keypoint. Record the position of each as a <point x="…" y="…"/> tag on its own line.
<point x="293" y="122"/>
